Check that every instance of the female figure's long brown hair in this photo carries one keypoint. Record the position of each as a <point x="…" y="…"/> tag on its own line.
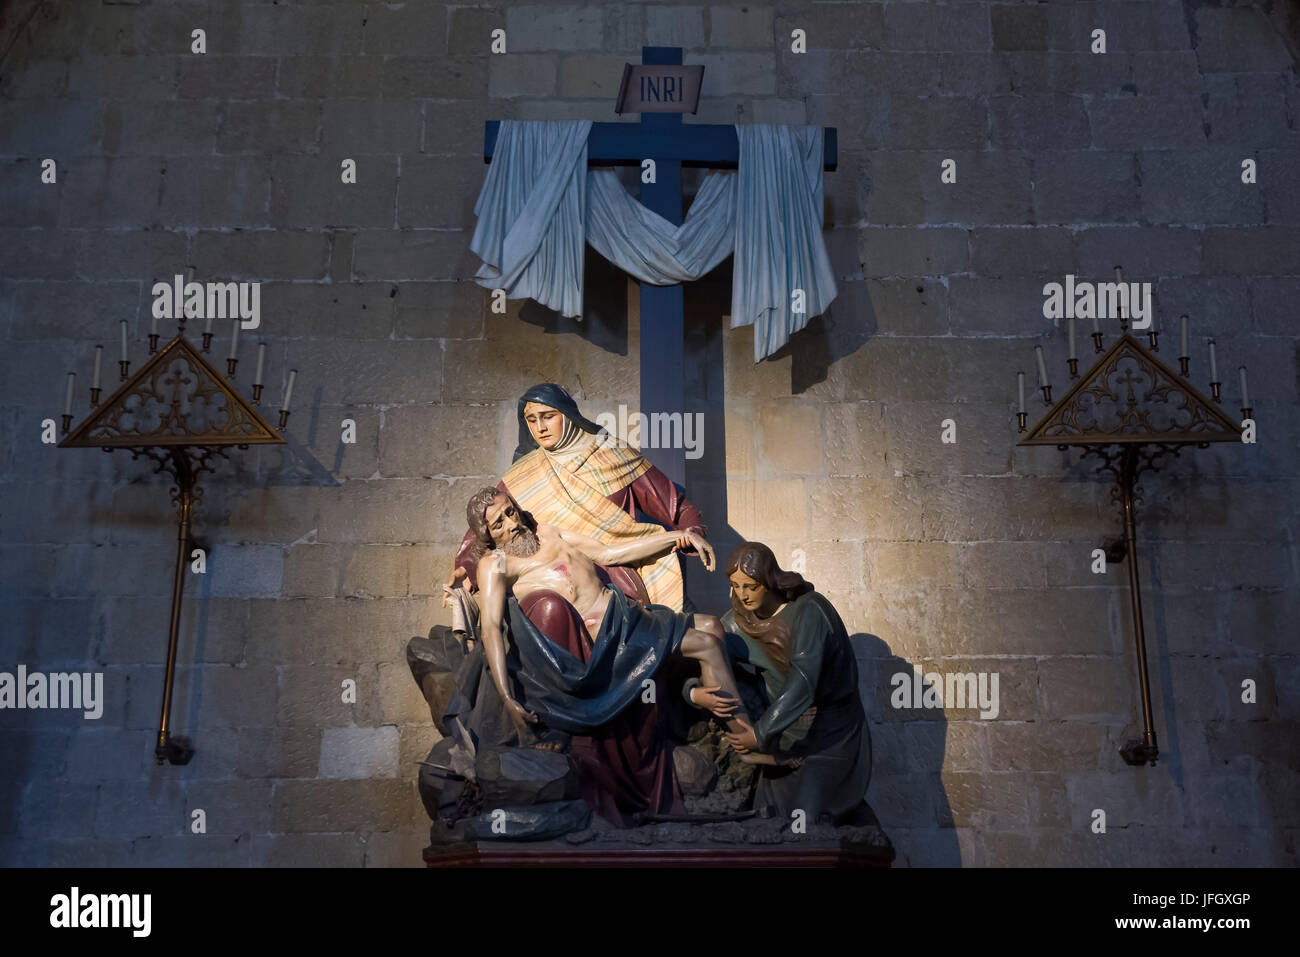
<point x="757" y="561"/>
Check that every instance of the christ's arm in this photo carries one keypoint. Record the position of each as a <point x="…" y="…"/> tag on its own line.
<point x="495" y="584"/>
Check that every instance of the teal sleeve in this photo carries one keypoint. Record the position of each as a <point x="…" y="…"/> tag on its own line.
<point x="737" y="649"/>
<point x="690" y="685"/>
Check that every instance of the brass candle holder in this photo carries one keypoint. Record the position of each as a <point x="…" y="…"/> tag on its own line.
<point x="179" y="412"/>
<point x="1129" y="411"/>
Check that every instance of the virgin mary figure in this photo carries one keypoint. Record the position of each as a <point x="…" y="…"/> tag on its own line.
<point x="570" y="473"/>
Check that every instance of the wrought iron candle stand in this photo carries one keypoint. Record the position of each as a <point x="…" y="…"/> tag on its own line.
<point x="1129" y="411"/>
<point x="179" y="412"/>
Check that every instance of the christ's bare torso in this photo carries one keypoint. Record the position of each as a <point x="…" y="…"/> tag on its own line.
<point x="565" y="569"/>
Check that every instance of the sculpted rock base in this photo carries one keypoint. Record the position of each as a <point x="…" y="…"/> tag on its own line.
<point x="534" y="791"/>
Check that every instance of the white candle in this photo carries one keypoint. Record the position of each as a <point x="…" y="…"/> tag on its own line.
<point x="1020" y="384"/>
<point x="153" y="327"/>
<point x="123" y="340"/>
<point x="1073" y="352"/>
<point x="261" y="360"/>
<point x="207" y="325"/>
<point x="99" y="361"/>
<point x="288" y="390"/>
<point x="234" y="337"/>
<point x="67" y="405"/>
<point x="186" y="309"/>
<point x="1042" y="369"/>
<point x="1214" y="368"/>
<point x="1096" y="328"/>
<point x="1245" y="396"/>
<point x="1183" y="322"/>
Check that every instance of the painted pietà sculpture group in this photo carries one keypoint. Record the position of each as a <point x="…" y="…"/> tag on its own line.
<point x="577" y="698"/>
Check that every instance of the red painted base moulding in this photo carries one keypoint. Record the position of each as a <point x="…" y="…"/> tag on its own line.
<point x="519" y="855"/>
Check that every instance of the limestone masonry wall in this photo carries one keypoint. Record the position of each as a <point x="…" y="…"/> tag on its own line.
<point x="325" y="557"/>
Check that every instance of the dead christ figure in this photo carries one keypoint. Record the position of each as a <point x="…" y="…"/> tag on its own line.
<point x="629" y="642"/>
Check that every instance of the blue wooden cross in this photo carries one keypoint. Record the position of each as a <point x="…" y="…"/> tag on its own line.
<point x="663" y="138"/>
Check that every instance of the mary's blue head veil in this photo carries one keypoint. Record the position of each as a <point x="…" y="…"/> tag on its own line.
<point x="550" y="394"/>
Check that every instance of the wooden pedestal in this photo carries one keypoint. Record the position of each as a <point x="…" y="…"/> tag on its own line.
<point x="551" y="854"/>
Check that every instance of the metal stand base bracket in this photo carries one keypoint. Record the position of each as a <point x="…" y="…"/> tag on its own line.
<point x="1138" y="753"/>
<point x="174" y="751"/>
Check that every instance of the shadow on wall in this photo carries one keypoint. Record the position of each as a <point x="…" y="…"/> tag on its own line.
<point x="20" y="20"/>
<point x="1168" y="736"/>
<point x="907" y="791"/>
<point x="604" y="308"/>
<point x="706" y="301"/>
<point x="19" y="759"/>
<point x="850" y="322"/>
<point x="842" y="330"/>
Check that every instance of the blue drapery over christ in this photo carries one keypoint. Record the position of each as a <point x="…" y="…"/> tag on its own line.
<point x="540" y="204"/>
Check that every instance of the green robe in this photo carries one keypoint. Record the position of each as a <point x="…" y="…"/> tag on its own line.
<point x="832" y="740"/>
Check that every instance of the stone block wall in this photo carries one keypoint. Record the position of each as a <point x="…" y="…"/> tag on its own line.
<point x="325" y="557"/>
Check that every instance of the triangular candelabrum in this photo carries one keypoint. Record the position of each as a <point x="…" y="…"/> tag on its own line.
<point x="181" y="413"/>
<point x="1129" y="410"/>
<point x="1130" y="397"/>
<point x="177" y="398"/>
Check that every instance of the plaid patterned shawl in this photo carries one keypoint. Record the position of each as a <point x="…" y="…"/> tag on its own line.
<point x="570" y="488"/>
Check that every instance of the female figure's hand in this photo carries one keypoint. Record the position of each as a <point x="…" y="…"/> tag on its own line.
<point x="743" y="740"/>
<point x="720" y="705"/>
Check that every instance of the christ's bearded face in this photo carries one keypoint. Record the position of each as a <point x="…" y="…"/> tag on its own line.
<point x="546" y="424"/>
<point x="508" y="530"/>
